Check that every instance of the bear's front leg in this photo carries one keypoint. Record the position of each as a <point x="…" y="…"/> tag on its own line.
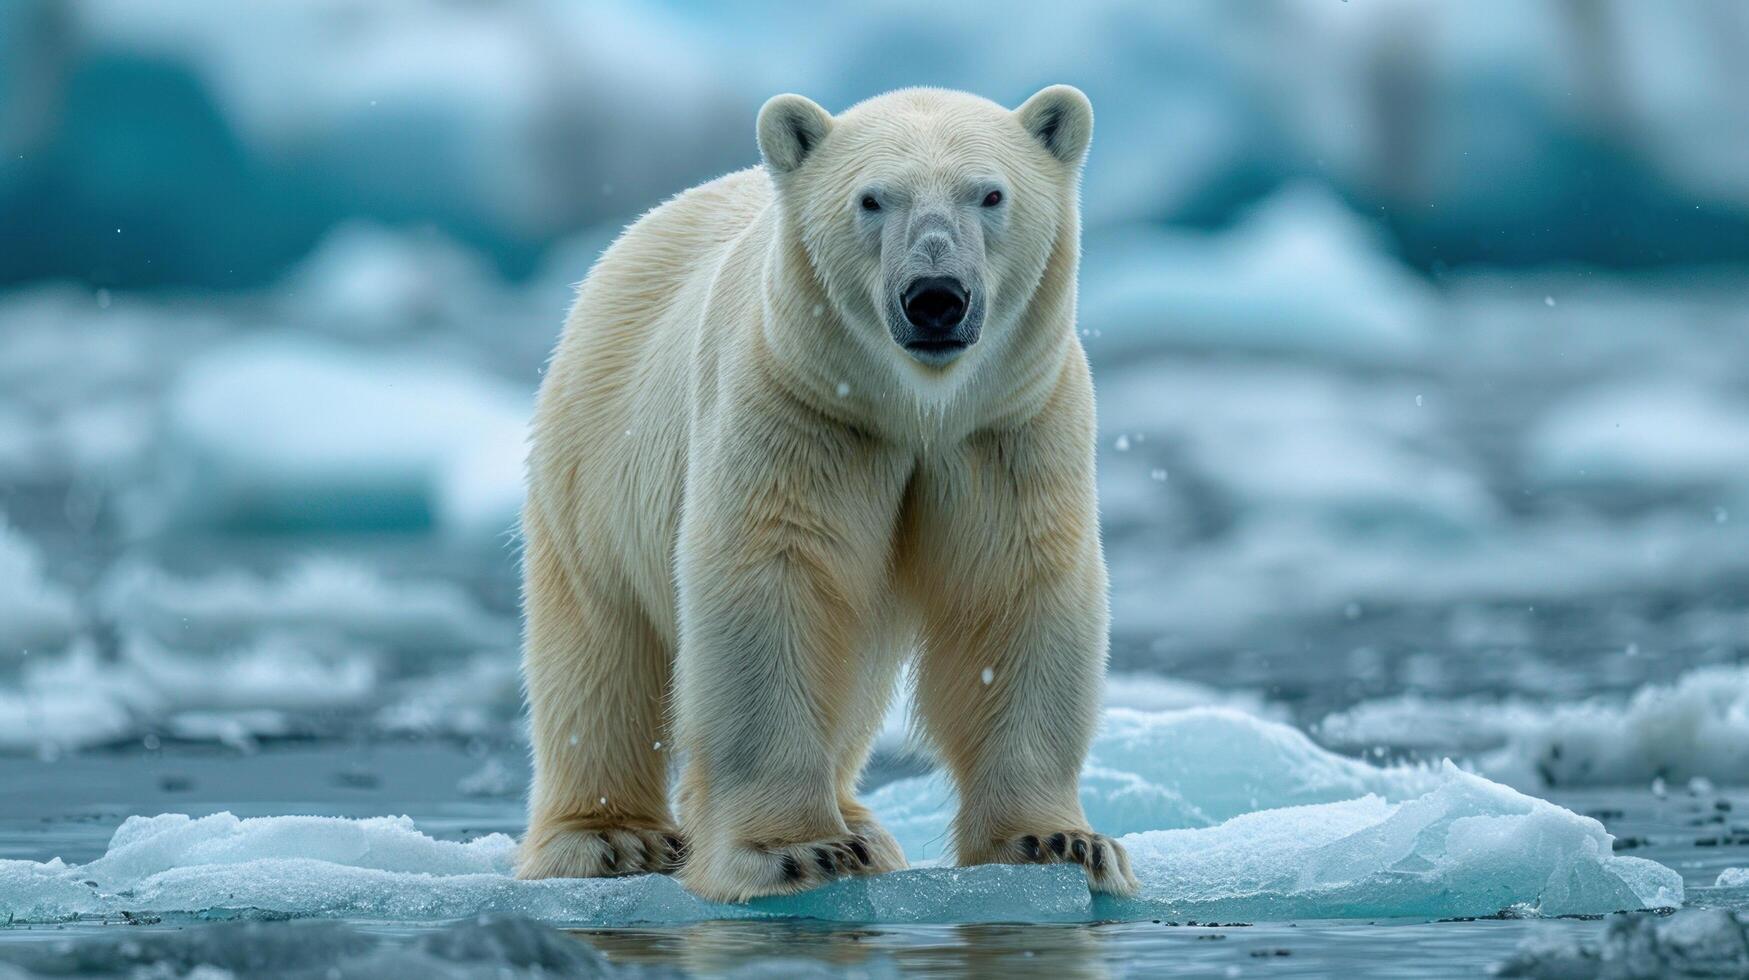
<point x="1006" y="565"/>
<point x="782" y="562"/>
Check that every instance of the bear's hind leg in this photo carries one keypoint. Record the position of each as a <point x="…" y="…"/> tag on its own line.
<point x="597" y="677"/>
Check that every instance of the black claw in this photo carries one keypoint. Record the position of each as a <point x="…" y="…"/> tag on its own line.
<point x="1080" y="851"/>
<point x="1059" y="843"/>
<point x="792" y="869"/>
<point x="1098" y="855"/>
<point x="823" y="858"/>
<point x="676" y="846"/>
<point x="1029" y="844"/>
<point x="612" y="857"/>
<point x="860" y="849"/>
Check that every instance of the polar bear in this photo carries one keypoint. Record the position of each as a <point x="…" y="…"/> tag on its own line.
<point x="807" y="421"/>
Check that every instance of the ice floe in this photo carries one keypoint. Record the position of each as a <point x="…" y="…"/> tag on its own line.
<point x="1691" y="943"/>
<point x="324" y="595"/>
<point x="81" y="698"/>
<point x="35" y="612"/>
<point x="480" y="697"/>
<point x="1733" y="878"/>
<point x="1464" y="846"/>
<point x="1276" y="569"/>
<point x="502" y="946"/>
<point x="279" y="433"/>
<point x="235" y="655"/>
<point x="1662" y="434"/>
<point x="384" y="868"/>
<point x="1695" y="726"/>
<point x="1172" y="769"/>
<point x="1225" y="816"/>
<point x="1287" y="442"/>
<point x="1300" y="274"/>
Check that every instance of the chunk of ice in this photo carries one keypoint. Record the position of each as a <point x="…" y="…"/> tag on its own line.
<point x="486" y="945"/>
<point x="1661" y="433"/>
<point x="280" y="433"/>
<point x="80" y="699"/>
<point x="1469" y="846"/>
<point x="1694" y="727"/>
<point x="383" y="868"/>
<point x="1691" y="943"/>
<point x="330" y="596"/>
<point x="1733" y="878"/>
<point x="1330" y="837"/>
<point x="1172" y="769"/>
<point x="1300" y="274"/>
<point x="34" y="612"/>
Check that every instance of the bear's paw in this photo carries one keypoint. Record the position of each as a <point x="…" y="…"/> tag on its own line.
<point x="1104" y="860"/>
<point x="738" y="872"/>
<point x="599" y="852"/>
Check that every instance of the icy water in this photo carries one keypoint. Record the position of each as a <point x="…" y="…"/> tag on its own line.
<point x="70" y="808"/>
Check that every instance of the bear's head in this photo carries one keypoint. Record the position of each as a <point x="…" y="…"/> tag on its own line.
<point x="930" y="216"/>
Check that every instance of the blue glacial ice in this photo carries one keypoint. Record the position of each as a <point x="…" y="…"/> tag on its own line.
<point x="1226" y="816"/>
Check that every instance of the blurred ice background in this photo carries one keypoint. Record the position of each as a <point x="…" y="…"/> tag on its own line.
<point x="1419" y="332"/>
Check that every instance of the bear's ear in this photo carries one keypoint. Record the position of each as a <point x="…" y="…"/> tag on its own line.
<point x="1061" y="118"/>
<point x="790" y="128"/>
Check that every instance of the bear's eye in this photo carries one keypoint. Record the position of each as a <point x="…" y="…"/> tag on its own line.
<point x="992" y="199"/>
<point x="869" y="203"/>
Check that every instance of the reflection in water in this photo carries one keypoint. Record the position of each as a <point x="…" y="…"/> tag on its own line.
<point x="1071" y="952"/>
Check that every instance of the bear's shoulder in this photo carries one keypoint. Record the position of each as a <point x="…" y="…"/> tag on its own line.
<point x="742" y="194"/>
<point x="701" y="217"/>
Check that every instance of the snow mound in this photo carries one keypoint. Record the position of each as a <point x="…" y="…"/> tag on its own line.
<point x="1696" y="726"/>
<point x="34" y="611"/>
<point x="1300" y="275"/>
<point x="1691" y="943"/>
<point x="284" y="434"/>
<point x="1268" y="826"/>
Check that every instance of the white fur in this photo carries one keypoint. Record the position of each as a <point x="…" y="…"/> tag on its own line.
<point x="748" y="504"/>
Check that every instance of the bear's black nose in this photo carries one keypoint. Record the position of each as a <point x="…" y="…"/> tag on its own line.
<point x="935" y="303"/>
